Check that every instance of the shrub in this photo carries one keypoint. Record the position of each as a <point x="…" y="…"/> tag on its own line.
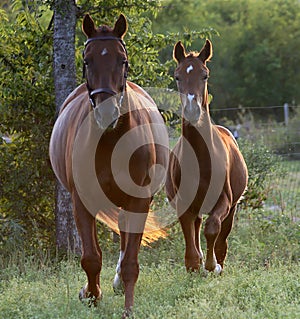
<point x="262" y="165"/>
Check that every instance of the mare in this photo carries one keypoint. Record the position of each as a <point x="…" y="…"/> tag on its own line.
<point x="207" y="173"/>
<point x="109" y="148"/>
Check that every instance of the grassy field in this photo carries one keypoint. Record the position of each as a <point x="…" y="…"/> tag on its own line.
<point x="261" y="280"/>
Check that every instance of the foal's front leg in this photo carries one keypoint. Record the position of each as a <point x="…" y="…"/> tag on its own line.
<point x="190" y="226"/>
<point x="198" y="223"/>
<point x="212" y="230"/>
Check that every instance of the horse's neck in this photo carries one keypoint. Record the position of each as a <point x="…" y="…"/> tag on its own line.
<point x="201" y="134"/>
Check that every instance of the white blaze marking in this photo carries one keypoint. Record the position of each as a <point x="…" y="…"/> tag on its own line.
<point x="104" y="51"/>
<point x="190" y="97"/>
<point x="189" y="69"/>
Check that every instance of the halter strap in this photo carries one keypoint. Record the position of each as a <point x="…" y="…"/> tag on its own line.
<point x="102" y="90"/>
<point x="105" y="38"/>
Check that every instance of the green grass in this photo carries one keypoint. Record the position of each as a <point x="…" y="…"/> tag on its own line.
<point x="261" y="280"/>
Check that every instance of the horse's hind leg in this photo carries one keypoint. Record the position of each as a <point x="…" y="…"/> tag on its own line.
<point x="190" y="226"/>
<point x="91" y="259"/>
<point x="221" y="243"/>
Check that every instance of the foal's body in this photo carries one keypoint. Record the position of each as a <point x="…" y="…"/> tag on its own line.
<point x="217" y="177"/>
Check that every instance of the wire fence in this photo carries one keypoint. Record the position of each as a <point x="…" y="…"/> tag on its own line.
<point x="278" y="127"/>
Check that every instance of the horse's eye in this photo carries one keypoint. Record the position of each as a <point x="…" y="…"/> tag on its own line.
<point x="177" y="78"/>
<point x="205" y="78"/>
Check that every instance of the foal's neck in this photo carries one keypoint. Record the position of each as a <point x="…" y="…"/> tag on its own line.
<point x="200" y="134"/>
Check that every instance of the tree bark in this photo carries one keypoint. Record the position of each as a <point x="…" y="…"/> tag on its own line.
<point x="67" y="238"/>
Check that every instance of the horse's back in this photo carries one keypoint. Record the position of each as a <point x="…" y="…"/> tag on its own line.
<point x="237" y="166"/>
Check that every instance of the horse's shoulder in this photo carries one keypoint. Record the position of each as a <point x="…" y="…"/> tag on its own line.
<point x="81" y="89"/>
<point x="136" y="88"/>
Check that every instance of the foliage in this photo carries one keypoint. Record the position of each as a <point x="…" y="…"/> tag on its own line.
<point x="256" y="60"/>
<point x="263" y="166"/>
<point x="26" y="108"/>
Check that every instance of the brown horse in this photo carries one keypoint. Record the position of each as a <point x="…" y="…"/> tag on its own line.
<point x="109" y="148"/>
<point x="207" y="173"/>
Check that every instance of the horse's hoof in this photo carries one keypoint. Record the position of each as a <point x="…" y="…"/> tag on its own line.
<point x="118" y="285"/>
<point x="218" y="270"/>
<point x="128" y="313"/>
<point x="86" y="297"/>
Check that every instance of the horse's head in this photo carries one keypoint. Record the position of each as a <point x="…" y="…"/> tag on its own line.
<point x="191" y="76"/>
<point x="105" y="69"/>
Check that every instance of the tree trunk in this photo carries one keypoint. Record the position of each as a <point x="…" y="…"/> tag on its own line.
<point x="67" y="238"/>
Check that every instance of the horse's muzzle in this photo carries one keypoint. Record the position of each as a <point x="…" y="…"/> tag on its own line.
<point x="192" y="111"/>
<point x="107" y="115"/>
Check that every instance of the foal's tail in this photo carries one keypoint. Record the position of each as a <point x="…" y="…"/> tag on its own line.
<point x="153" y="228"/>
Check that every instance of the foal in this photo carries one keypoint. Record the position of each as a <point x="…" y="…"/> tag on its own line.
<point x="207" y="173"/>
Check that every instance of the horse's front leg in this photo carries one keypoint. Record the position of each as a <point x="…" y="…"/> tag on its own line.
<point x="118" y="284"/>
<point x="190" y="226"/>
<point x="198" y="223"/>
<point x="131" y="226"/>
<point x="221" y="243"/>
<point x="212" y="230"/>
<point x="130" y="270"/>
<point x="91" y="259"/>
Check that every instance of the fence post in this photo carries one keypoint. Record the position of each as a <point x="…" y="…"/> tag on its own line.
<point x="286" y="113"/>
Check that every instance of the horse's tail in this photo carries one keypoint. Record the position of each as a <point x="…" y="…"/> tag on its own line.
<point x="152" y="231"/>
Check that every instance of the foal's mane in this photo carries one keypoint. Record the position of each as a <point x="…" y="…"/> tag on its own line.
<point x="192" y="54"/>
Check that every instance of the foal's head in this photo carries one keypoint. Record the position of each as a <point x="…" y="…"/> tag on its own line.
<point x="191" y="76"/>
<point x="105" y="69"/>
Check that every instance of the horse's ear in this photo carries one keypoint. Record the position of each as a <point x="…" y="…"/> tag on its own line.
<point x="206" y="52"/>
<point x="179" y="52"/>
<point x="120" y="27"/>
<point x="88" y="26"/>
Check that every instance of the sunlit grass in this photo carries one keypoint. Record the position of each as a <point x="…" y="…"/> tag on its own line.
<point x="261" y="280"/>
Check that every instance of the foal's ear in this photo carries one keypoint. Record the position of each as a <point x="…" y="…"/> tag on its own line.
<point x="120" y="27"/>
<point x="88" y="26"/>
<point x="179" y="52"/>
<point x="206" y="52"/>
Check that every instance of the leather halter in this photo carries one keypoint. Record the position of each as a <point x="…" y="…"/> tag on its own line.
<point x="92" y="93"/>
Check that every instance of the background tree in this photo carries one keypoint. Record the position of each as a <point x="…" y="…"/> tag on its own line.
<point x="64" y="82"/>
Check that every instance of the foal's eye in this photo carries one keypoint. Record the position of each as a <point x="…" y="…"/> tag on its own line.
<point x="177" y="78"/>
<point x="205" y="78"/>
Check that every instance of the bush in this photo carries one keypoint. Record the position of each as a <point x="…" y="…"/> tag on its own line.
<point x="262" y="165"/>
